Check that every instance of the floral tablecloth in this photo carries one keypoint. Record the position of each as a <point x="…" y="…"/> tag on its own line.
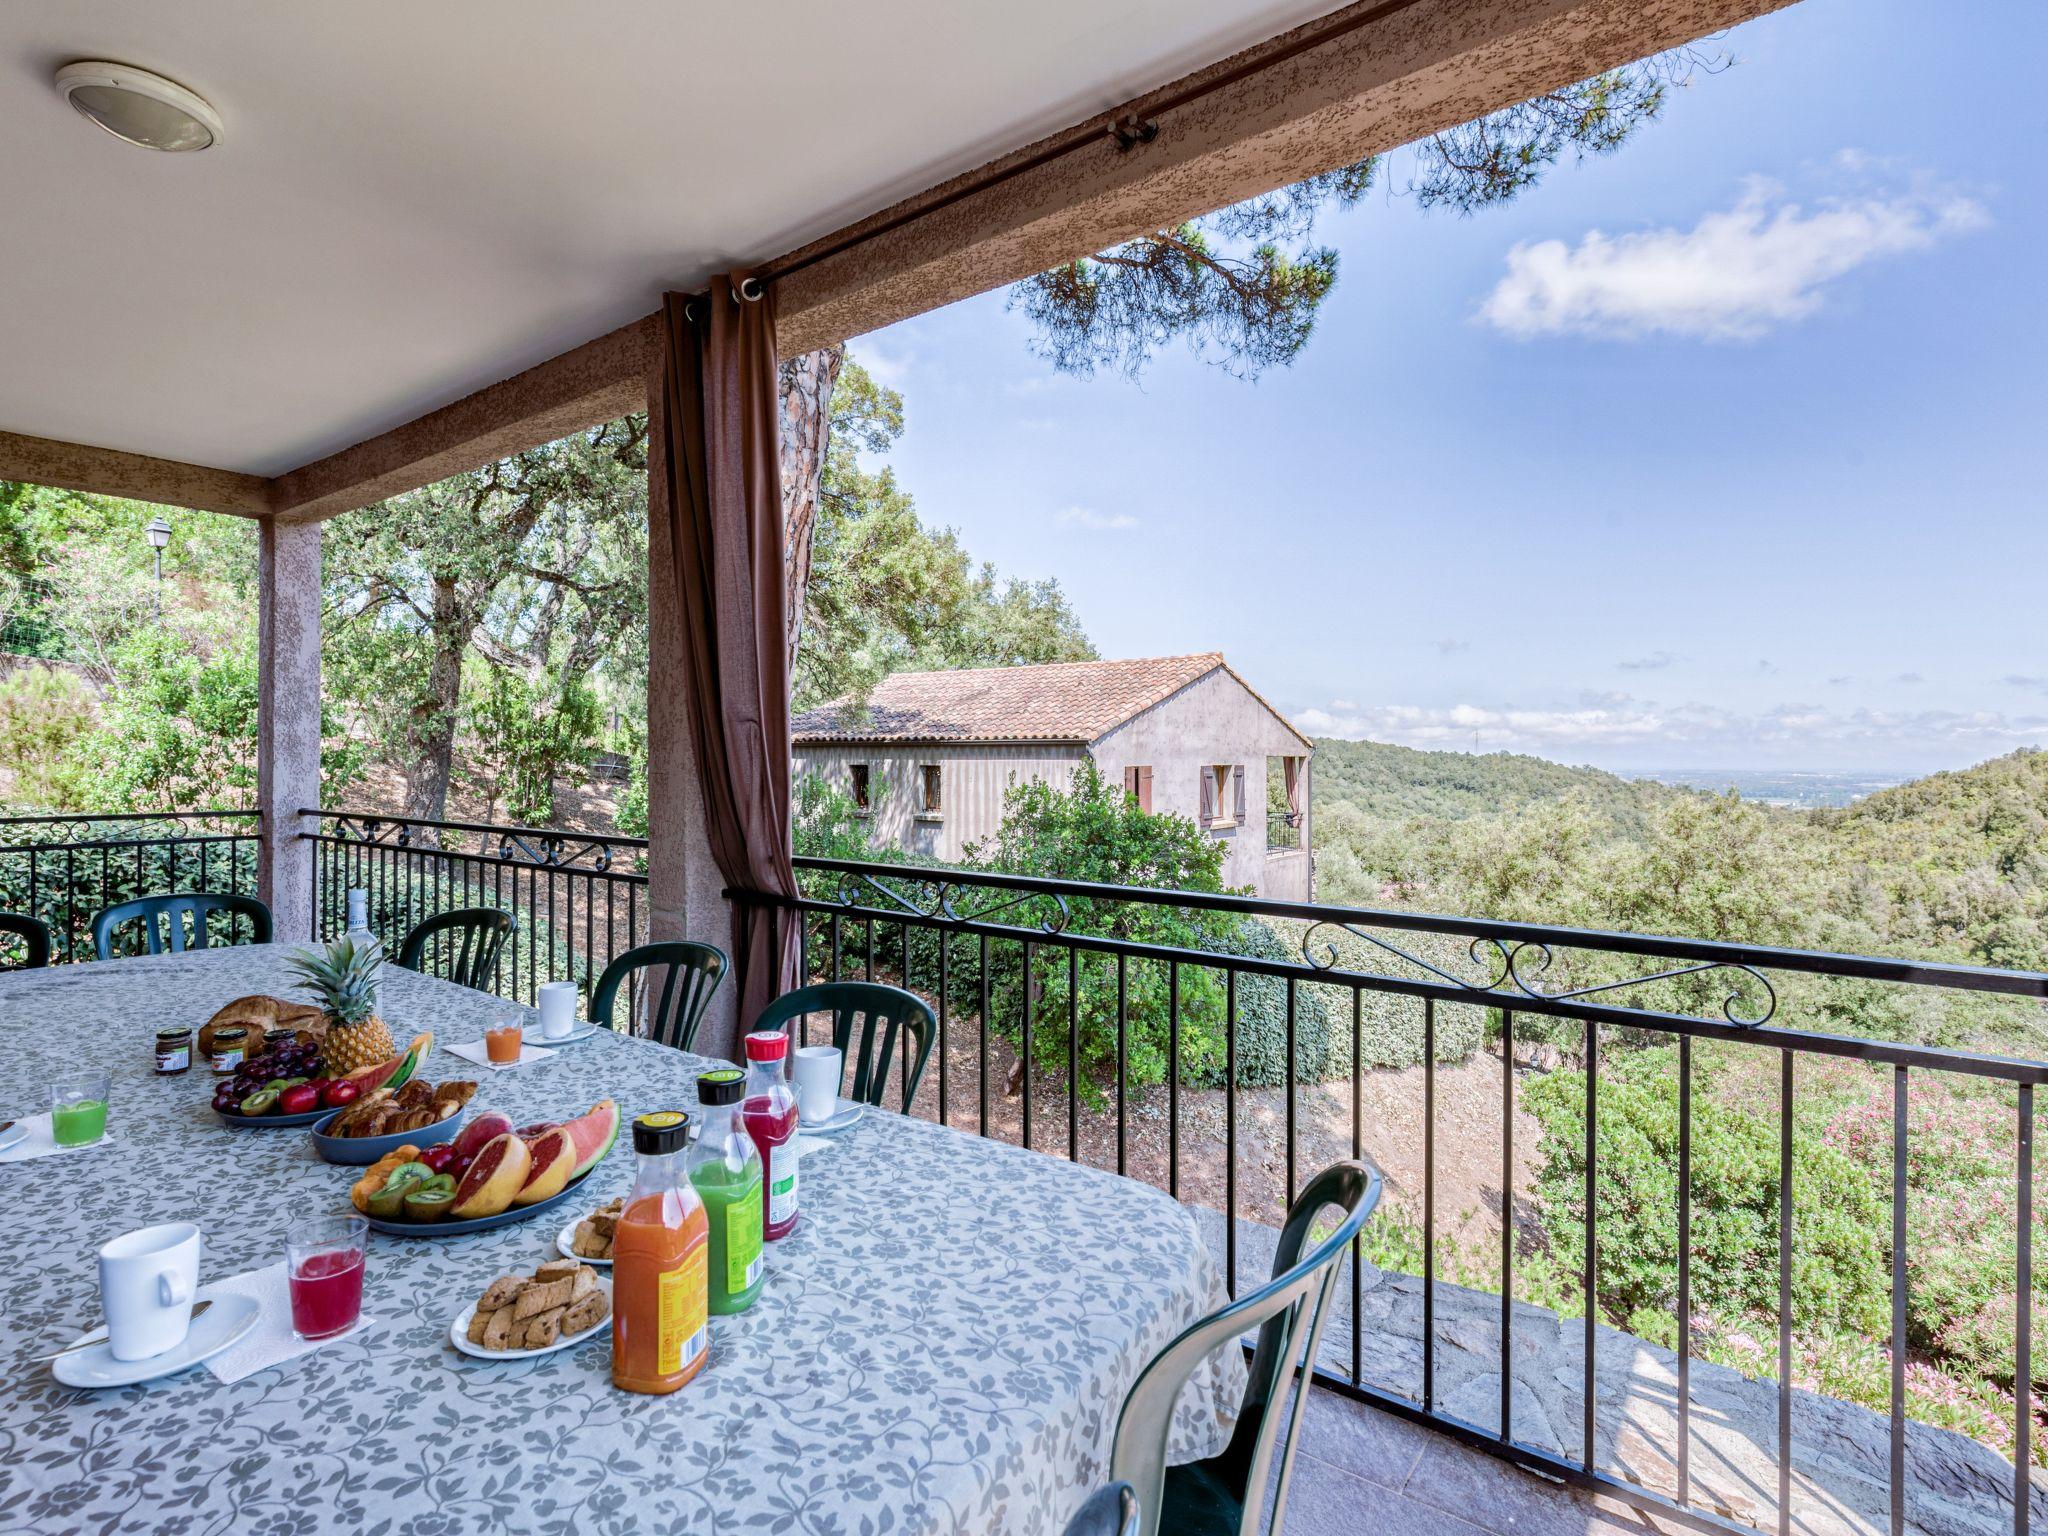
<point x="942" y="1346"/>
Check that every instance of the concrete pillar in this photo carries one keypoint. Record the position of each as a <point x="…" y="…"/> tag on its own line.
<point x="684" y="887"/>
<point x="288" y="719"/>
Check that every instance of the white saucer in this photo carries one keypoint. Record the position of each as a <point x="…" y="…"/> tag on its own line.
<point x="458" y="1333"/>
<point x="849" y="1111"/>
<point x="566" y="1237"/>
<point x="219" y="1326"/>
<point x="14" y="1135"/>
<point x="531" y="1034"/>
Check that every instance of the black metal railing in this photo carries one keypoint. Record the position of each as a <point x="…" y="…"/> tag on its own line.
<point x="65" y="869"/>
<point x="1048" y="978"/>
<point x="1283" y="829"/>
<point x="581" y="898"/>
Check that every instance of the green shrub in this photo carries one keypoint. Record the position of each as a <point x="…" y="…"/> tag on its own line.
<point x="1839" y="1225"/>
<point x="43" y="712"/>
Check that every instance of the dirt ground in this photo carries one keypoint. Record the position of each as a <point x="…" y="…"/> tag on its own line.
<point x="1389" y="1134"/>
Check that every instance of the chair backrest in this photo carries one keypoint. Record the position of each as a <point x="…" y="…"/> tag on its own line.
<point x="460" y="946"/>
<point x="1110" y="1511"/>
<point x="1298" y="1292"/>
<point x="34" y="934"/>
<point x="694" y="972"/>
<point x="882" y="1013"/>
<point x="171" y="912"/>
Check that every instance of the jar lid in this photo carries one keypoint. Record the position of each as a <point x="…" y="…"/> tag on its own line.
<point x="231" y="1034"/>
<point x="728" y="1085"/>
<point x="176" y="1032"/>
<point x="767" y="1045"/>
<point x="663" y="1131"/>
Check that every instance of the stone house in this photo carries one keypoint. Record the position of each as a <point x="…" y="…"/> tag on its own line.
<point x="930" y="754"/>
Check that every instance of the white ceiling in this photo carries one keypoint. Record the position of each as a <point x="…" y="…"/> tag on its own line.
<point x="412" y="200"/>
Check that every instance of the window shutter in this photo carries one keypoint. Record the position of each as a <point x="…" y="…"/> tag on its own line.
<point x="1131" y="782"/>
<point x="1208" y="793"/>
<point x="1237" y="787"/>
<point x="1144" y="789"/>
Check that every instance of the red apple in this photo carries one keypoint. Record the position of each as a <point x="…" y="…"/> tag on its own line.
<point x="297" y="1099"/>
<point x="440" y="1158"/>
<point x="339" y="1092"/>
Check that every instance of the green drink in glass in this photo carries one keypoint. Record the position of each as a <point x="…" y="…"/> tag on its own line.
<point x="78" y="1109"/>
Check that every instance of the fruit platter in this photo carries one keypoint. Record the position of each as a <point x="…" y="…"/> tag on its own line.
<point x="388" y="1117"/>
<point x="490" y="1175"/>
<point x="289" y="1083"/>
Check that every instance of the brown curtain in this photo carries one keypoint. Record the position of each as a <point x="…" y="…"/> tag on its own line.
<point x="723" y="487"/>
<point x="1292" y="768"/>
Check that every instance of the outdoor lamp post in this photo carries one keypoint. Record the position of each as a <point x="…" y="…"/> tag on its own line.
<point x="159" y="533"/>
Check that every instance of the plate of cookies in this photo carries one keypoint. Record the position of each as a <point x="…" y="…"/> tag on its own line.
<point x="561" y="1303"/>
<point x="590" y="1239"/>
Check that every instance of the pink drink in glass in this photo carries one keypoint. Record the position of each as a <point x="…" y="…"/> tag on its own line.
<point x="324" y="1262"/>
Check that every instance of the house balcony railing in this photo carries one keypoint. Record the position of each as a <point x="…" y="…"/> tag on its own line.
<point x="1283" y="830"/>
<point x="1223" y="1048"/>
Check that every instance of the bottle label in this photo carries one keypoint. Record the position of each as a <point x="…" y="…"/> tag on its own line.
<point x="682" y="1308"/>
<point x="782" y="1192"/>
<point x="744" y="1259"/>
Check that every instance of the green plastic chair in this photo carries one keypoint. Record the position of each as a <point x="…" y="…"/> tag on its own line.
<point x="1110" y="1511"/>
<point x="171" y="912"/>
<point x="694" y="972"/>
<point x="460" y="946"/>
<point x="34" y="934"/>
<point x="882" y="1014"/>
<point x="1223" y="1495"/>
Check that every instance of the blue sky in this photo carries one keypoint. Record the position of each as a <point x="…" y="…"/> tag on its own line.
<point x="1723" y="451"/>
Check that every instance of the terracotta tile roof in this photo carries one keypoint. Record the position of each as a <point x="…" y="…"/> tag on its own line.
<point x="1074" y="701"/>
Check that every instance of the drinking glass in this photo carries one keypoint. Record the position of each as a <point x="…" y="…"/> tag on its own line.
<point x="324" y="1259"/>
<point x="78" y="1108"/>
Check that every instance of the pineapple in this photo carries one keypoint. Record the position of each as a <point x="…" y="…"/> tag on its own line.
<point x="343" y="981"/>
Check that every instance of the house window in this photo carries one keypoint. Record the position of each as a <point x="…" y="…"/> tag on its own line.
<point x="1222" y="795"/>
<point x="1138" y="785"/>
<point x="930" y="785"/>
<point x="859" y="772"/>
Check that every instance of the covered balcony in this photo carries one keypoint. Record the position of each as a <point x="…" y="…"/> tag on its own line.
<point x="427" y="240"/>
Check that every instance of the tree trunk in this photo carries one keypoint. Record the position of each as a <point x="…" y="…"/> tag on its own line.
<point x="430" y="733"/>
<point x="806" y="411"/>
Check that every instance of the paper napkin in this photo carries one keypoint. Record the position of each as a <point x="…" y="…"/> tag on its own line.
<point x="40" y="1143"/>
<point x="478" y="1052"/>
<point x="271" y="1341"/>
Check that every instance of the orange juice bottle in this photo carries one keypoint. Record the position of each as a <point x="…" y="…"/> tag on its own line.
<point x="659" y="1273"/>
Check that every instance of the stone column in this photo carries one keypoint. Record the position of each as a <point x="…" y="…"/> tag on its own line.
<point x="288" y="719"/>
<point x="684" y="887"/>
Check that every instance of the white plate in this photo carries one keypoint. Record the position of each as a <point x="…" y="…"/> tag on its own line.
<point x="14" y="1135"/>
<point x="458" y="1333"/>
<point x="567" y="1236"/>
<point x="849" y="1111"/>
<point x="532" y="1034"/>
<point x="221" y="1325"/>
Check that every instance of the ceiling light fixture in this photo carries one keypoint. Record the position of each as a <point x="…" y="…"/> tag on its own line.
<point x="142" y="108"/>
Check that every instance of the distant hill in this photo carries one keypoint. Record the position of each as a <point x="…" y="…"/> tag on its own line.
<point x="1390" y="783"/>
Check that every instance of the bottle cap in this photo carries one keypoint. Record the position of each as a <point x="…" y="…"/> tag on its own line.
<point x="663" y="1131"/>
<point x="728" y="1085"/>
<point x="767" y="1045"/>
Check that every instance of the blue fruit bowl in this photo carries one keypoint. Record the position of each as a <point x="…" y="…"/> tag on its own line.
<point x="361" y="1151"/>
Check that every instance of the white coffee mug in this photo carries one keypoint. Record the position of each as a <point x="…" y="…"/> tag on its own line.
<point x="817" y="1073"/>
<point x="147" y="1280"/>
<point x="557" y="1008"/>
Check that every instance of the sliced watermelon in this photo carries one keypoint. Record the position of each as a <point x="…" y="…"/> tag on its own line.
<point x="592" y="1136"/>
<point x="395" y="1072"/>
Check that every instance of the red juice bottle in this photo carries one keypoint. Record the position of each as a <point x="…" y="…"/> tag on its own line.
<point x="769" y="1111"/>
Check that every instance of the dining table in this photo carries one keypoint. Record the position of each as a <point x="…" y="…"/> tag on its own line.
<point x="942" y="1345"/>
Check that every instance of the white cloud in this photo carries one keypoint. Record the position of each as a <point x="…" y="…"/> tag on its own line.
<point x="1451" y="647"/>
<point x="1733" y="276"/>
<point x="1656" y="661"/>
<point x="1607" y="720"/>
<point x="1088" y="517"/>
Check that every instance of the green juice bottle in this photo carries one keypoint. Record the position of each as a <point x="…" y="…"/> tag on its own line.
<point x="725" y="1170"/>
